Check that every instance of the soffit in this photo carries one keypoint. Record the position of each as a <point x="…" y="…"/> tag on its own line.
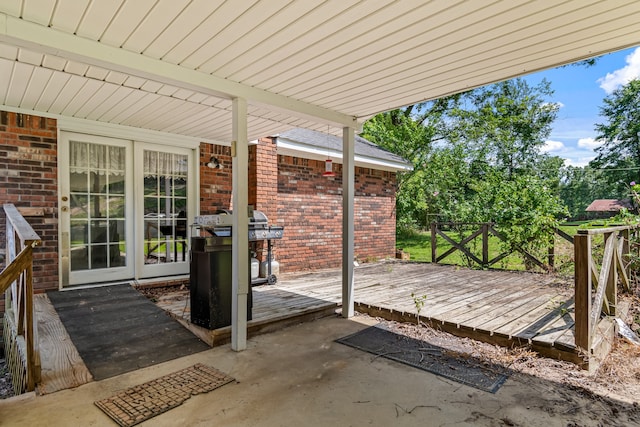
<point x="300" y="63"/>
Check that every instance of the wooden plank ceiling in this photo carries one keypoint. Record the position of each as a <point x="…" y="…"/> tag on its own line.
<point x="300" y="63"/>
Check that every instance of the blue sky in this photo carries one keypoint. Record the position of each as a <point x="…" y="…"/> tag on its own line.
<point x="579" y="91"/>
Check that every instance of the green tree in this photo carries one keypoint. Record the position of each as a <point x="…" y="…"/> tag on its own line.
<point x="455" y="144"/>
<point x="448" y="179"/>
<point x="505" y="124"/>
<point x="525" y="208"/>
<point x="577" y="189"/>
<point x="579" y="186"/>
<point x="411" y="133"/>
<point x="402" y="134"/>
<point x="550" y="170"/>
<point x="502" y="128"/>
<point x="620" y="133"/>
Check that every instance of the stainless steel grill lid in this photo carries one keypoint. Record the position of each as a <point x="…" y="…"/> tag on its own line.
<point x="257" y="220"/>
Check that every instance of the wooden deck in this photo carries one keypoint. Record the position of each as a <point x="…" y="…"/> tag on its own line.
<point x="500" y="307"/>
<point x="503" y="308"/>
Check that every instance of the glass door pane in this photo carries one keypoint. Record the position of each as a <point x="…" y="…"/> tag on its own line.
<point x="97" y="206"/>
<point x="165" y="184"/>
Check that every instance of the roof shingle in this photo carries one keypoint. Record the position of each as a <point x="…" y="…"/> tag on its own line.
<point x="362" y="147"/>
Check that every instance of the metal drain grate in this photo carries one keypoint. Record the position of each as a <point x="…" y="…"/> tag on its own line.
<point x="428" y="357"/>
<point x="139" y="403"/>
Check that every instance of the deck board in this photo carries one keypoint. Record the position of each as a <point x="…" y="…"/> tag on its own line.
<point x="61" y="364"/>
<point x="499" y="308"/>
<point x="470" y="301"/>
<point x="512" y="306"/>
<point x="506" y="320"/>
<point x="554" y="330"/>
<point x="463" y="306"/>
<point x="490" y="305"/>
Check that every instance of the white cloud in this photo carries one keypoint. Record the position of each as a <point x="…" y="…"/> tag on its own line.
<point x="589" y="143"/>
<point x="576" y="152"/>
<point x="551" y="146"/>
<point x="624" y="75"/>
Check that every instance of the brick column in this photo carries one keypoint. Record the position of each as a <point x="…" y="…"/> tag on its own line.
<point x="28" y="179"/>
<point x="263" y="185"/>
<point x="266" y="178"/>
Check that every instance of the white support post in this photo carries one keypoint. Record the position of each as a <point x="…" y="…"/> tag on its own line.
<point x="240" y="229"/>
<point x="348" y="193"/>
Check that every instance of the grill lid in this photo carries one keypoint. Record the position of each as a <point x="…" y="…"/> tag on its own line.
<point x="257" y="220"/>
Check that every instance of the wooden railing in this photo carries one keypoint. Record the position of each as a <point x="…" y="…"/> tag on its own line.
<point x="16" y="281"/>
<point x="614" y="268"/>
<point x="599" y="266"/>
<point x="485" y="229"/>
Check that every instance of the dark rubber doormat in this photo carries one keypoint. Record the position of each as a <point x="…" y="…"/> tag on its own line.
<point x="137" y="404"/>
<point x="118" y="330"/>
<point x="428" y="357"/>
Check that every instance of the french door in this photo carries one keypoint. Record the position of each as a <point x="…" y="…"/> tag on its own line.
<point x="124" y="209"/>
<point x="95" y="206"/>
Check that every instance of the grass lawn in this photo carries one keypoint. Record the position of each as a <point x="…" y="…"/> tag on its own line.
<point x="571" y="228"/>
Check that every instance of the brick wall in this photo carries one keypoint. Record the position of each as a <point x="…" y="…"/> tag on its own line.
<point x="215" y="184"/>
<point x="375" y="214"/>
<point x="28" y="178"/>
<point x="292" y="192"/>
<point x="310" y="209"/>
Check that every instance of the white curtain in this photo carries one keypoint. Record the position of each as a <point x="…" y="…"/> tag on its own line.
<point x="105" y="158"/>
<point x="157" y="163"/>
<point x="98" y="158"/>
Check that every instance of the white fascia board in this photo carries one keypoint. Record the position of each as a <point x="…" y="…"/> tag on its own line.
<point x="38" y="38"/>
<point x="295" y="149"/>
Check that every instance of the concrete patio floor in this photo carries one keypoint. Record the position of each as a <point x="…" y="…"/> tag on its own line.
<point x="299" y="376"/>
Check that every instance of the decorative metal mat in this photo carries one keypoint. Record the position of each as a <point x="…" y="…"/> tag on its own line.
<point x="428" y="357"/>
<point x="139" y="403"/>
